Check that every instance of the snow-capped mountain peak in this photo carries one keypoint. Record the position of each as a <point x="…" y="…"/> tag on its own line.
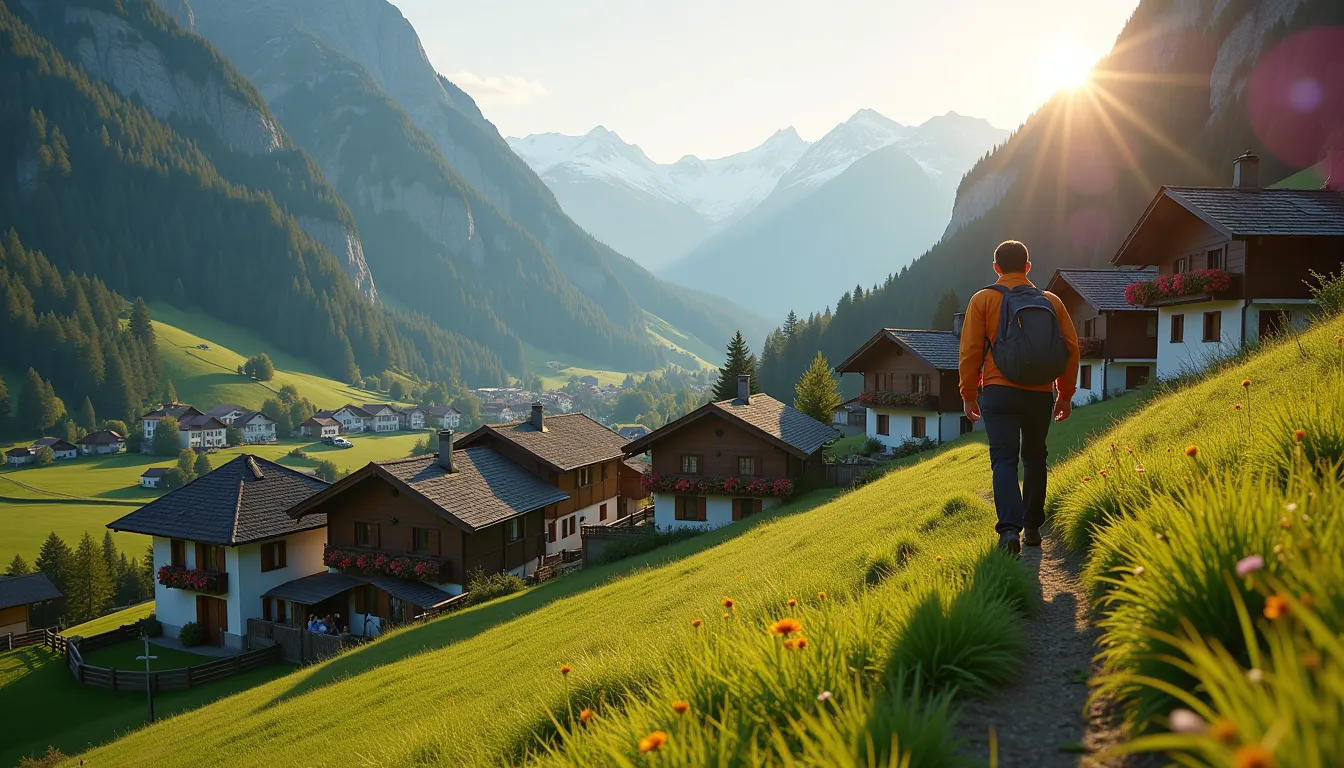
<point x="865" y="131"/>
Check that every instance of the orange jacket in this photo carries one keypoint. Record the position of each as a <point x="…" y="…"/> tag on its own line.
<point x="982" y="323"/>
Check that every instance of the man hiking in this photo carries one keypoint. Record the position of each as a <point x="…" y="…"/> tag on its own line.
<point x="1019" y="364"/>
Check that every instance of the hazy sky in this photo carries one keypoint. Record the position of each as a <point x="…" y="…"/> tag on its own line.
<point x="713" y="77"/>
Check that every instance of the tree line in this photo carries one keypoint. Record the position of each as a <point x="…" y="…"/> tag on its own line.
<point x="94" y="578"/>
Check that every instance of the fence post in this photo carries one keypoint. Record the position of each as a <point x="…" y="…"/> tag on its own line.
<point x="237" y="664"/>
<point x="112" y="675"/>
<point x="188" y="677"/>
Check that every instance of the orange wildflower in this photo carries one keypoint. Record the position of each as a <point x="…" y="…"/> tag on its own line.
<point x="800" y="643"/>
<point x="653" y="741"/>
<point x="1224" y="730"/>
<point x="565" y="669"/>
<point x="1276" y="607"/>
<point x="937" y="558"/>
<point x="1087" y="479"/>
<point x="1254" y="756"/>
<point x="726" y="615"/>
<point x="1284" y="523"/>
<point x="1237" y="407"/>
<point x="1245" y="382"/>
<point x="1300" y="435"/>
<point x="585" y="716"/>
<point x="728" y="603"/>
<point x="696" y="623"/>
<point x="1192" y="451"/>
<point x="1102" y="473"/>
<point x="681" y="707"/>
<point x="793" y="603"/>
<point x="789" y="644"/>
<point x="786" y="627"/>
<point x="821" y="595"/>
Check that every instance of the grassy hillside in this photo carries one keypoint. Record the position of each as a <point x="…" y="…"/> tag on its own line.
<point x="111" y="621"/>
<point x="680" y="349"/>
<point x="444" y="683"/>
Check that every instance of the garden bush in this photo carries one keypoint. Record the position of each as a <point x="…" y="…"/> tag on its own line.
<point x="638" y="545"/>
<point x="483" y="587"/>
<point x="191" y="635"/>
<point x="151" y="626"/>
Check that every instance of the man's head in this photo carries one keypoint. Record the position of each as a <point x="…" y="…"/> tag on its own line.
<point x="1011" y="256"/>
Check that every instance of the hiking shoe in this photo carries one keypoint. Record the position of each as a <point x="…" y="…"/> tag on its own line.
<point x="1009" y="543"/>
<point x="1031" y="537"/>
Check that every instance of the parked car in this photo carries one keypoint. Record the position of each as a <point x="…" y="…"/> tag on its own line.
<point x="329" y="440"/>
<point x="341" y="442"/>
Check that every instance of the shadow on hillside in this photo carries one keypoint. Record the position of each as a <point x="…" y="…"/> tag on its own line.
<point x="443" y="632"/>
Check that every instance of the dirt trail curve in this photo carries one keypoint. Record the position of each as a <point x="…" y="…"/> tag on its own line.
<point x="1039" y="718"/>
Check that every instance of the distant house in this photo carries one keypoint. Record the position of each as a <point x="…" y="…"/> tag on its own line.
<point x="850" y="417"/>
<point x="153" y="477"/>
<point x="411" y="417"/>
<point x="102" y="442"/>
<point x="728" y="460"/>
<point x="221" y="541"/>
<point x="446" y="516"/>
<point x="1117" y="341"/>
<point x="18" y="595"/>
<point x="443" y="417"/>
<point x="496" y="412"/>
<point x="256" y="427"/>
<point x="632" y="431"/>
<point x="384" y="417"/>
<point x="354" y="420"/>
<point x="559" y="401"/>
<point x="227" y="412"/>
<point x="630" y="486"/>
<point x="60" y="449"/>
<point x="17" y="457"/>
<point x="573" y="453"/>
<point x="150" y="420"/>
<point x="320" y="426"/>
<point x="1234" y="263"/>
<point x="202" y="432"/>
<point x="910" y="387"/>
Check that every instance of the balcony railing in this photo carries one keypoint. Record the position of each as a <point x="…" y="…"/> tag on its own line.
<point x="1185" y="288"/>
<point x="368" y="561"/>
<point x="1090" y="347"/>
<point x="194" y="579"/>
<point x="921" y="401"/>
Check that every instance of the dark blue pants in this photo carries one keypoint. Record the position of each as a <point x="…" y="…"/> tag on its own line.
<point x="1017" y="422"/>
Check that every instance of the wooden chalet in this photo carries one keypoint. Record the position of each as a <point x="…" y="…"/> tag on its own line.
<point x="1117" y="341"/>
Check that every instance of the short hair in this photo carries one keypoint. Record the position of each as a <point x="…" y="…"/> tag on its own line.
<point x="1012" y="256"/>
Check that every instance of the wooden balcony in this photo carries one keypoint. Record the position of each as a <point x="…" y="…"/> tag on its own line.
<point x="448" y="567"/>
<point x="914" y="401"/>
<point x="194" y="580"/>
<point x="1235" y="290"/>
<point x="1091" y="347"/>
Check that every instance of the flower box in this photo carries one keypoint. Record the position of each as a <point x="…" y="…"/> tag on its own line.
<point x="1197" y="283"/>
<point x="194" y="579"/>
<point x="758" y="487"/>
<point x="1089" y="347"/>
<point x="921" y="400"/>
<point x="369" y="563"/>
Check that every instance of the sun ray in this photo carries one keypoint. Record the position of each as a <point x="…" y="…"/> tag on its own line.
<point x="1138" y="121"/>
<point x="1126" y="151"/>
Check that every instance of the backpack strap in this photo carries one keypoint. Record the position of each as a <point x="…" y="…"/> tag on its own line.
<point x="1004" y="291"/>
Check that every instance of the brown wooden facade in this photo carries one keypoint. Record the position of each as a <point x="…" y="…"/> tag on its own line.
<point x="888" y="366"/>
<point x="1119" y="334"/>
<point x="718" y="447"/>
<point x="603" y="478"/>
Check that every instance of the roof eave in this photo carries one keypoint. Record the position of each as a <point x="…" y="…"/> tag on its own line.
<point x="845" y="365"/>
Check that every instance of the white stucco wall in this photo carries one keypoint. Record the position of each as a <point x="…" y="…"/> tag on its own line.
<point x="718" y="511"/>
<point x="589" y="515"/>
<point x="1193" y="353"/>
<point x="247" y="582"/>
<point x="1299" y="311"/>
<point x="172" y="607"/>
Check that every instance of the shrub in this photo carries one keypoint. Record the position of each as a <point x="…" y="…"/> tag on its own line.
<point x="298" y="453"/>
<point x="638" y="545"/>
<point x="151" y="625"/>
<point x="482" y="588"/>
<point x="52" y="758"/>
<point x="45" y="456"/>
<point x="191" y="635"/>
<point x="872" y="445"/>
<point x="1328" y="293"/>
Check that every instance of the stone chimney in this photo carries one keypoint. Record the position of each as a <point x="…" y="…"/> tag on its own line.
<point x="1246" y="171"/>
<point x="446" y="449"/>
<point x="538" y="419"/>
<point x="744" y="389"/>
<point x="957" y="320"/>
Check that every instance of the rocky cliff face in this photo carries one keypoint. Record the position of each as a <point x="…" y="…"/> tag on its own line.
<point x="345" y="245"/>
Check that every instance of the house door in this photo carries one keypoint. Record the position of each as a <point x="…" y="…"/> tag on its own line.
<point x="212" y="614"/>
<point x="1136" y="376"/>
<point x="1272" y="323"/>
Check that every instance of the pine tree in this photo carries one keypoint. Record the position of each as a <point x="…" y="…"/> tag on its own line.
<point x="202" y="465"/>
<point x="146" y="573"/>
<point x="791" y="324"/>
<point x="948" y="305"/>
<point x="169" y="391"/>
<point x="740" y="362"/>
<point x="90" y="589"/>
<point x="18" y="567"/>
<point x="54" y="559"/>
<point x="141" y="327"/>
<point x="110" y="553"/>
<point x="5" y="426"/>
<point x="87" y="418"/>
<point x="37" y="404"/>
<point x="817" y="393"/>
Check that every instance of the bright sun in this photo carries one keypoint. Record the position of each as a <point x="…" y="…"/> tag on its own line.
<point x="1066" y="69"/>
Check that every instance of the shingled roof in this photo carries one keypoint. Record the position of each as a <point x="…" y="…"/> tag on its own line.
<point x="1103" y="289"/>
<point x="242" y="501"/>
<point x="484" y="488"/>
<point x="782" y="424"/>
<point x="1242" y="212"/>
<point x="26" y="590"/>
<point x="569" y="441"/>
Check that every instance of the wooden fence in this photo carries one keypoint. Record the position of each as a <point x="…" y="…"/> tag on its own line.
<point x="11" y="641"/>
<point x="159" y="679"/>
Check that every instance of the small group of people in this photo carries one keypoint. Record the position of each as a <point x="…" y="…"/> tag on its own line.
<point x="327" y="625"/>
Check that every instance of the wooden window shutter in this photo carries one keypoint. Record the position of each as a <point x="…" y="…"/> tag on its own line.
<point x="281" y="554"/>
<point x="434" y="541"/>
<point x="702" y="504"/>
<point x="266" y="609"/>
<point x="375" y="536"/>
<point x="267" y="563"/>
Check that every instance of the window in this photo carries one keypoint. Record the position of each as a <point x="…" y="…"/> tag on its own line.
<point x="515" y="528"/>
<point x="746" y="466"/>
<point x="690" y="508"/>
<point x="1084" y="377"/>
<point x="1177" y="329"/>
<point x="273" y="609"/>
<point x="424" y="541"/>
<point x="550" y="532"/>
<point x="1090" y="327"/>
<point x="919" y="383"/>
<point x="570" y="525"/>
<point x="177" y="553"/>
<point x="583" y="476"/>
<point x="602" y="512"/>
<point x="918" y="426"/>
<point x="210" y="557"/>
<point x="884" y="382"/>
<point x="272" y="556"/>
<point x="1181" y="265"/>
<point x="1136" y="376"/>
<point x="745" y="508"/>
<point x="604" y="472"/>
<point x="883" y="424"/>
<point x="1213" y="326"/>
<point x="967" y="426"/>
<point x="690" y="465"/>
<point x="366" y="534"/>
<point x="1150" y="327"/>
<point x="1214" y="259"/>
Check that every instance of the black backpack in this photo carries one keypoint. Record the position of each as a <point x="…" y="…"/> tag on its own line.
<point x="1030" y="349"/>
